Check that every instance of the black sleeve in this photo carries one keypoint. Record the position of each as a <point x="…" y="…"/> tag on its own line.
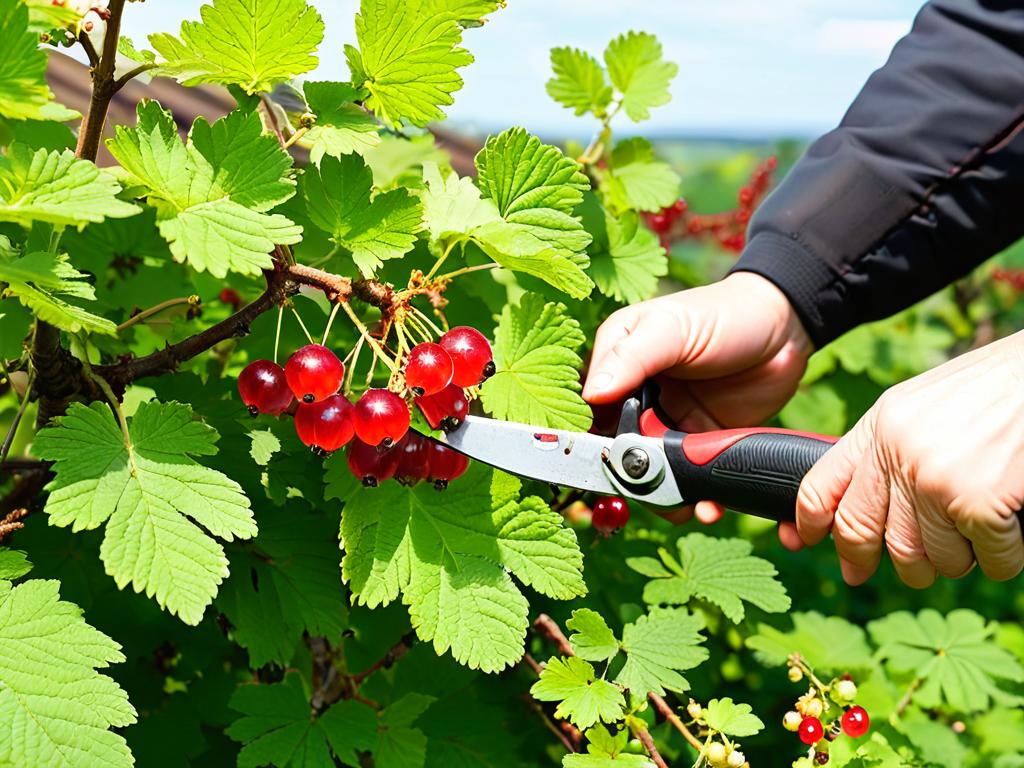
<point x="922" y="180"/>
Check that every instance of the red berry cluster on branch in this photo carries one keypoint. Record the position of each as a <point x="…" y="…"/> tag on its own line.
<point x="1012" y="277"/>
<point x="376" y="427"/>
<point x="825" y="712"/>
<point x="729" y="228"/>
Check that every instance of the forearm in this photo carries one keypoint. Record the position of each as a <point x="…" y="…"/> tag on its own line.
<point x="918" y="184"/>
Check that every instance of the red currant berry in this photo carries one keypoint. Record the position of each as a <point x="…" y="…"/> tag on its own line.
<point x="811" y="731"/>
<point x="856" y="722"/>
<point x="325" y="426"/>
<point x="230" y="296"/>
<point x="381" y="417"/>
<point x="445" y="465"/>
<point x="413" y="459"/>
<point x="371" y="465"/>
<point x="472" y="359"/>
<point x="660" y="222"/>
<point x="745" y="196"/>
<point x="610" y="514"/>
<point x="679" y="207"/>
<point x="263" y="388"/>
<point x="429" y="369"/>
<point x="313" y="373"/>
<point x="446" y="410"/>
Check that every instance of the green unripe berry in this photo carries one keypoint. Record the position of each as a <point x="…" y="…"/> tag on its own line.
<point x="791" y="721"/>
<point x="795" y="674"/>
<point x="844" y="690"/>
<point x="716" y="754"/>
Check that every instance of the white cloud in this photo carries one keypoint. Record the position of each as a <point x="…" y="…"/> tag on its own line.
<point x="862" y="37"/>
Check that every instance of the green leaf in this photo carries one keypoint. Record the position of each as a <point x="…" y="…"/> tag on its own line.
<point x="725" y="716"/>
<point x="146" y="492"/>
<point x="452" y="206"/>
<point x="213" y="193"/>
<point x="40" y="280"/>
<point x="536" y="189"/>
<point x="579" y="82"/>
<point x="250" y="43"/>
<point x="1000" y="730"/>
<point x="626" y="258"/>
<point x="537" y="379"/>
<point x="13" y="564"/>
<point x="954" y="655"/>
<point x="829" y="644"/>
<point x="592" y="640"/>
<point x="408" y="57"/>
<point x="55" y="709"/>
<point x="399" y="745"/>
<point x="657" y="645"/>
<point x="278" y="728"/>
<point x="817" y="408"/>
<point x="287" y="583"/>
<point x="469" y="13"/>
<point x="24" y="94"/>
<point x="449" y="556"/>
<point x="636" y="181"/>
<point x="583" y="698"/>
<point x="341" y="127"/>
<point x="639" y="72"/>
<point x="721" y="571"/>
<point x="338" y="199"/>
<point x="58" y="188"/>
<point x="936" y="743"/>
<point x="605" y="751"/>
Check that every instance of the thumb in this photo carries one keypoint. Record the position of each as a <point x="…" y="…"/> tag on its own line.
<point x="631" y="346"/>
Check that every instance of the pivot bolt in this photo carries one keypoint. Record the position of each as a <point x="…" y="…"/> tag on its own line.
<point x="636" y="462"/>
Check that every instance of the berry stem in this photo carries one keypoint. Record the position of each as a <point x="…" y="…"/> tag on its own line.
<point x="430" y="323"/>
<point x="295" y="137"/>
<point x="415" y="324"/>
<point x="441" y="260"/>
<point x="277" y="332"/>
<point x="192" y="300"/>
<point x="379" y="354"/>
<point x="350" y="362"/>
<point x="330" y="322"/>
<point x="302" y="324"/>
<point x="465" y="271"/>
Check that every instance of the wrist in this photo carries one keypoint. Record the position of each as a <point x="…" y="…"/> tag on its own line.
<point x="764" y="295"/>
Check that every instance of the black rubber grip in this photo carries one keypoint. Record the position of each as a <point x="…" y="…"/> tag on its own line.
<point x="758" y="474"/>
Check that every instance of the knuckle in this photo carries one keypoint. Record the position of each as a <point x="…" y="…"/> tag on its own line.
<point x="855" y="527"/>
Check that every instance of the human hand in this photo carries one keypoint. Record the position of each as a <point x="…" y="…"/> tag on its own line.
<point x="729" y="354"/>
<point x="934" y="473"/>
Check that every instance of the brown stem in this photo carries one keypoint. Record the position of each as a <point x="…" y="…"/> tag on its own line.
<point x="666" y="711"/>
<point x="131" y="74"/>
<point x="558" y="733"/>
<point x="904" y="702"/>
<point x="645" y="738"/>
<point x="89" y="48"/>
<point x="395" y="652"/>
<point x="102" y="87"/>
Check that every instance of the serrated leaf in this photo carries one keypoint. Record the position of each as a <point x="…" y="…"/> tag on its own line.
<point x="408" y="59"/>
<point x="592" y="638"/>
<point x="24" y="93"/>
<point x="399" y="745"/>
<point x="721" y="571"/>
<point x="954" y="655"/>
<point x="212" y="193"/>
<point x="536" y="189"/>
<point x="583" y="698"/>
<point x="250" y="43"/>
<point x="13" y="564"/>
<point x="40" y="280"/>
<point x="469" y="13"/>
<point x="725" y="716"/>
<point x="606" y="751"/>
<point x="277" y="727"/>
<point x="579" y="82"/>
<point x="339" y="201"/>
<point x="658" y="645"/>
<point x="626" y="258"/>
<point x="637" y="181"/>
<point x="55" y="709"/>
<point x="829" y="644"/>
<point x="448" y="555"/>
<point x="341" y="127"/>
<point x="452" y="206"/>
<point x="146" y="493"/>
<point x="637" y="70"/>
<point x="58" y="188"/>
<point x="287" y="583"/>
<point x="537" y="379"/>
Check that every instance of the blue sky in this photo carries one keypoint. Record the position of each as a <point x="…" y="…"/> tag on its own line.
<point x="747" y="67"/>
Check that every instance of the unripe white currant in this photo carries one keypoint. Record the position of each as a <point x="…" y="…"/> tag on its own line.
<point x="791" y="721"/>
<point x="845" y="690"/>
<point x="795" y="674"/>
<point x="813" y="708"/>
<point x="694" y="709"/>
<point x="736" y="759"/>
<point x="716" y="754"/>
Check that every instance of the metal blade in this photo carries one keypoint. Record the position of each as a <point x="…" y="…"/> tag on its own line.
<point x="570" y="459"/>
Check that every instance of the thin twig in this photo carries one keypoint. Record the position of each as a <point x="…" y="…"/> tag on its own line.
<point x="9" y="439"/>
<point x="645" y="738"/>
<point x="90" y="49"/>
<point x="394" y="653"/>
<point x="131" y="74"/>
<point x="156" y="309"/>
<point x="666" y="711"/>
<point x="904" y="702"/>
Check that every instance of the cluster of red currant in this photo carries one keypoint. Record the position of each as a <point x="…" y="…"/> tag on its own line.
<point x="377" y="425"/>
<point x="1012" y="277"/>
<point x="806" y="720"/>
<point x="728" y="228"/>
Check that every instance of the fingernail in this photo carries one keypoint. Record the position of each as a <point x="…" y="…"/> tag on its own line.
<point x="597" y="383"/>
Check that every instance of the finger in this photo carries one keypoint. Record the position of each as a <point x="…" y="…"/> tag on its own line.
<point x="823" y="487"/>
<point x="630" y="349"/>
<point x="676" y="515"/>
<point x="996" y="540"/>
<point x="709" y="512"/>
<point x="859" y="527"/>
<point x="904" y="542"/>
<point x="790" y="537"/>
<point x="945" y="546"/>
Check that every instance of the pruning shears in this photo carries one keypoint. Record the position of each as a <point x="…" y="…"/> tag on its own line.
<point x="756" y="471"/>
